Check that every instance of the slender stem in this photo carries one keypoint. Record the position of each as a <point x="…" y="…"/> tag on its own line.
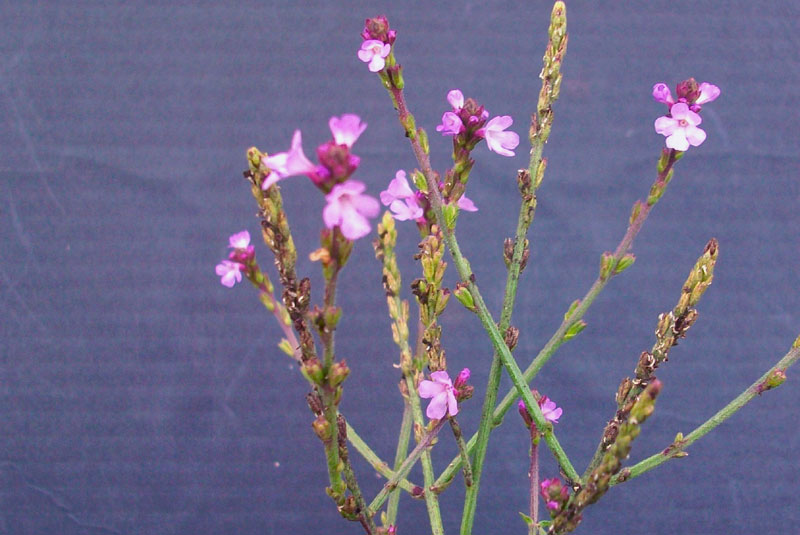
<point x="379" y="465"/>
<point x="533" y="474"/>
<point x="676" y="449"/>
<point x="405" y="468"/>
<point x="557" y="338"/>
<point x="489" y="325"/>
<point x="260" y="281"/>
<point x="350" y="479"/>
<point x="400" y="455"/>
<point x="462" y="451"/>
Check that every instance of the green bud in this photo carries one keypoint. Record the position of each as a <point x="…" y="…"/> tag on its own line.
<point x="637" y="208"/>
<point x="606" y="265"/>
<point x="312" y="370"/>
<point x="450" y="212"/>
<point x="774" y="380"/>
<point x="338" y="373"/>
<point x="322" y="428"/>
<point x="331" y="316"/>
<point x="796" y="343"/>
<point x="572" y="308"/>
<point x="574" y="330"/>
<point x="419" y="180"/>
<point x="626" y="262"/>
<point x="464" y="297"/>
<point x="267" y="300"/>
<point x="423" y="140"/>
<point x="286" y="347"/>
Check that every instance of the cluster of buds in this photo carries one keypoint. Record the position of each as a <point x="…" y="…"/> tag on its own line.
<point x="555" y="494"/>
<point x="680" y="124"/>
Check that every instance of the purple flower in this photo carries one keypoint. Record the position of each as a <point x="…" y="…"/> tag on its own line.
<point x="548" y="407"/>
<point x="349" y="209"/>
<point x="708" y="93"/>
<point x="451" y="124"/>
<point x="681" y="128"/>
<point x="456" y="99"/>
<point x="661" y="93"/>
<point x="497" y="138"/>
<point x="240" y="240"/>
<point x="373" y="52"/>
<point x="290" y="163"/>
<point x="443" y="399"/>
<point x="549" y="410"/>
<point x="400" y="198"/>
<point x="230" y="272"/>
<point x="466" y="204"/>
<point x="346" y="129"/>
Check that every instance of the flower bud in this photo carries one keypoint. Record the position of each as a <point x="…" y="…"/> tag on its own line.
<point x="688" y="90"/>
<point x="312" y="370"/>
<point x="511" y="337"/>
<point x="464" y="296"/>
<point x="338" y="373"/>
<point x="322" y="428"/>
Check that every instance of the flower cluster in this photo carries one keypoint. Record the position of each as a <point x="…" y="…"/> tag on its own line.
<point x="467" y="123"/>
<point x="680" y="124"/>
<point x="443" y="393"/>
<point x="377" y="44"/>
<point x="554" y="493"/>
<point x="347" y="206"/>
<point x="242" y="255"/>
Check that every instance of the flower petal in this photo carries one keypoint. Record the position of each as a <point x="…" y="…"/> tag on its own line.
<point x="428" y="389"/>
<point x="437" y="408"/>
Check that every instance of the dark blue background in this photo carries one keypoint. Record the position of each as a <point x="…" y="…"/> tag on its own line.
<point x="139" y="396"/>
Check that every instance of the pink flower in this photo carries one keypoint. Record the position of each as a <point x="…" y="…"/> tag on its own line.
<point x="548" y="407"/>
<point x="681" y="128"/>
<point x="346" y="129"/>
<point x="400" y="198"/>
<point x="349" y="209"/>
<point x="708" y="93"/>
<point x="240" y="240"/>
<point x="456" y="99"/>
<point x="466" y="204"/>
<point x="497" y="138"/>
<point x="290" y="163"/>
<point x="661" y="93"/>
<point x="451" y="124"/>
<point x="373" y="52"/>
<point x="230" y="272"/>
<point x="549" y="410"/>
<point x="443" y="399"/>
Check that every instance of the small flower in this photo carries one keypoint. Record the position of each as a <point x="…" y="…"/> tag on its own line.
<point x="451" y="124"/>
<point x="401" y="199"/>
<point x="708" y="93"/>
<point x="681" y="128"/>
<point x="466" y="204"/>
<point x="456" y="99"/>
<point x="661" y="93"/>
<point x="240" y="240"/>
<point x="374" y="53"/>
<point x="443" y="399"/>
<point x="291" y="163"/>
<point x="346" y="129"/>
<point x="548" y="407"/>
<point x="349" y="209"/>
<point x="497" y="138"/>
<point x="230" y="272"/>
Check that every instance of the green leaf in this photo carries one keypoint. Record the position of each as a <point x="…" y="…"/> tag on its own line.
<point x="528" y="520"/>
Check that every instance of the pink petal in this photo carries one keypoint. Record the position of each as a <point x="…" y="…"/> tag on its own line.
<point x="708" y="92"/>
<point x="366" y="205"/>
<point x="456" y="99"/>
<point x="354" y="225"/>
<point x="678" y="140"/>
<point x="240" y="240"/>
<point x="429" y="389"/>
<point x="466" y="204"/>
<point x="452" y="403"/>
<point x="332" y="214"/>
<point x="377" y="63"/>
<point x="441" y="377"/>
<point x="346" y="129"/>
<point x="695" y="135"/>
<point x="501" y="122"/>
<point x="666" y="125"/>
<point x="437" y="408"/>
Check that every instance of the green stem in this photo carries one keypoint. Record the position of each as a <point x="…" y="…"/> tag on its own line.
<point x="489" y="325"/>
<point x="403" y="470"/>
<point x="350" y="479"/>
<point x="676" y="449"/>
<point x="557" y="338"/>
<point x="533" y="475"/>
<point x="400" y="455"/>
<point x="462" y="451"/>
<point x="376" y="462"/>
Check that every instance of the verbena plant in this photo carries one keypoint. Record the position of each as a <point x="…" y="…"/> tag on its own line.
<point x="433" y="201"/>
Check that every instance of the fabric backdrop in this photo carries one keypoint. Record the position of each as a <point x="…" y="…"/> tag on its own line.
<point x="139" y="396"/>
